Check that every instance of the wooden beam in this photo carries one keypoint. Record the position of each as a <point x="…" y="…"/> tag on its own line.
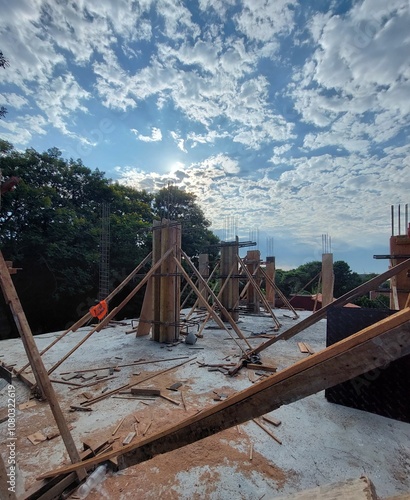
<point x="344" y="299"/>
<point x="371" y="348"/>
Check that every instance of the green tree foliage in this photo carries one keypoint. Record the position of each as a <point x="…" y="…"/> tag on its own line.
<point x="175" y="204"/>
<point x="345" y="278"/>
<point x="304" y="279"/>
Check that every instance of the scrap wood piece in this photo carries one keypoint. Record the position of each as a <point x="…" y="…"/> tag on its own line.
<point x="174" y="387"/>
<point x="251" y="452"/>
<point x="305" y="348"/>
<point x="145" y="391"/>
<point x="267" y="431"/>
<point x="37" y="437"/>
<point x="114" y="432"/>
<point x="90" y="384"/>
<point x="371" y="348"/>
<point x="129" y="437"/>
<point x="147" y="428"/>
<point x="80" y="408"/>
<point x="169" y="399"/>
<point x="265" y="368"/>
<point x="183" y="400"/>
<point x="132" y="384"/>
<point x="272" y="420"/>
<point x="27" y="404"/>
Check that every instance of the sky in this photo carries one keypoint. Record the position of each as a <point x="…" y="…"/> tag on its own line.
<point x="289" y="120"/>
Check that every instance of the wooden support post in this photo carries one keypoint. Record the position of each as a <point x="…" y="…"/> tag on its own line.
<point x="147" y="312"/>
<point x="270" y="271"/>
<point x="37" y="365"/>
<point x="327" y="279"/>
<point x="230" y="297"/>
<point x="252" y="261"/>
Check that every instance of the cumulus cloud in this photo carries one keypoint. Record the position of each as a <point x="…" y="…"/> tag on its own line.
<point x="156" y="135"/>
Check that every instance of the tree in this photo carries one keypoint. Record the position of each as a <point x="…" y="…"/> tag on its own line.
<point x="3" y="64"/>
<point x="345" y="278"/>
<point x="175" y="204"/>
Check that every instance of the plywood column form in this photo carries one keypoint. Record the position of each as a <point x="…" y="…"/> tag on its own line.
<point x="252" y="261"/>
<point x="270" y="271"/>
<point x="203" y="267"/>
<point x="327" y="279"/>
<point x="400" y="284"/>
<point x="169" y="283"/>
<point x="230" y="294"/>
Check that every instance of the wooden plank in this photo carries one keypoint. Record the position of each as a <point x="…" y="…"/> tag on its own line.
<point x="272" y="420"/>
<point x="145" y="391"/>
<point x="352" y="489"/>
<point x="344" y="299"/>
<point x="264" y="368"/>
<point x="370" y="349"/>
<point x="302" y="348"/>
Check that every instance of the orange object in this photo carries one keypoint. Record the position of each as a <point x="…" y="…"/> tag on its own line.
<point x="100" y="310"/>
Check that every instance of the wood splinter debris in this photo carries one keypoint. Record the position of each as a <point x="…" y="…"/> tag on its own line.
<point x="251" y="452"/>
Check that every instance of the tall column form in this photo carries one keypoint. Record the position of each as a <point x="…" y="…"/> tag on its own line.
<point x="252" y="261"/>
<point x="327" y="279"/>
<point x="270" y="271"/>
<point x="166" y="283"/>
<point x="230" y="293"/>
<point x="399" y="284"/>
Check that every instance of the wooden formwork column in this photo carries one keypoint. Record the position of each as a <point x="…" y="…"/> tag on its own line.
<point x="169" y="294"/>
<point x="399" y="284"/>
<point x="203" y="267"/>
<point x="327" y="279"/>
<point x="230" y="294"/>
<point x="270" y="271"/>
<point x="252" y="261"/>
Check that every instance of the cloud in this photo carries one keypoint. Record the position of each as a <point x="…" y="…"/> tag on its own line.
<point x="180" y="142"/>
<point x="156" y="135"/>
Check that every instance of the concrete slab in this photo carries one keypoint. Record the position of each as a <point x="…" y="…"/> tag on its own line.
<point x="322" y="442"/>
